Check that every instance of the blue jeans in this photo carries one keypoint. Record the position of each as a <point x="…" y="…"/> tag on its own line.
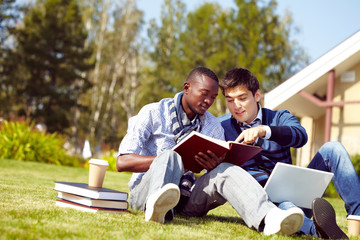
<point x="166" y="168"/>
<point x="333" y="157"/>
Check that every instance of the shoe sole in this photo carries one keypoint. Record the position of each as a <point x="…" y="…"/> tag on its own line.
<point x="292" y="223"/>
<point x="159" y="204"/>
<point x="325" y="219"/>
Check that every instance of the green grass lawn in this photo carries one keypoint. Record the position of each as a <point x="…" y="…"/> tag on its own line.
<point x="28" y="211"/>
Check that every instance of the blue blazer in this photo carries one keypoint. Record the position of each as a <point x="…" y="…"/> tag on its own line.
<point x="286" y="132"/>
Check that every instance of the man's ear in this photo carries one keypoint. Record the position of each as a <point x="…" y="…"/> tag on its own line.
<point x="258" y="95"/>
<point x="186" y="87"/>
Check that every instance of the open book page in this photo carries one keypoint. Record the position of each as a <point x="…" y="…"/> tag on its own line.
<point x="200" y="135"/>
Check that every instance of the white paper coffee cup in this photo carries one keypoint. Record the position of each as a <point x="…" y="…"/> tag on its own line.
<point x="97" y="170"/>
<point x="353" y="225"/>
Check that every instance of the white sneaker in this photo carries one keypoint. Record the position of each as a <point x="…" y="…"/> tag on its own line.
<point x="160" y="202"/>
<point x="285" y="222"/>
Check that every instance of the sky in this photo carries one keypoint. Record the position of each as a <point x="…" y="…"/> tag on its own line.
<point x="322" y="24"/>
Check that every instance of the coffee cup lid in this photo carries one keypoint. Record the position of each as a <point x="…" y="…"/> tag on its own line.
<point x="99" y="162"/>
<point x="353" y="217"/>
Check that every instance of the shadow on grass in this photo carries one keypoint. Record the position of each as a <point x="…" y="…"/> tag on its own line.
<point x="183" y="220"/>
<point x="210" y="219"/>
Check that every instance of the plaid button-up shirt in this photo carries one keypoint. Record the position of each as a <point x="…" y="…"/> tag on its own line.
<point x="149" y="133"/>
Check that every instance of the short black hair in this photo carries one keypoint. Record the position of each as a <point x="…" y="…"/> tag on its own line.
<point x="199" y="71"/>
<point x="237" y="77"/>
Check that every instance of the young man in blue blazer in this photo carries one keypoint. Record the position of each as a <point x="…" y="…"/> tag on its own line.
<point x="276" y="132"/>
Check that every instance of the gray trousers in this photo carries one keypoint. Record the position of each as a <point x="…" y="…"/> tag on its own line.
<point x="226" y="182"/>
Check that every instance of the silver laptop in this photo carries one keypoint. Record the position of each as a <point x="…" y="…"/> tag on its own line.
<point x="296" y="184"/>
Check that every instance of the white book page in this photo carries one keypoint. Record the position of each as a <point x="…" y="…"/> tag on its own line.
<point x="217" y="141"/>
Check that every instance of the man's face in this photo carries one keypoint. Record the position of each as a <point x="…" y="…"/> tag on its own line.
<point x="199" y="95"/>
<point x="242" y="104"/>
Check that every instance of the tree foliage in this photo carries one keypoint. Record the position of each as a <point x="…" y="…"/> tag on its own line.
<point x="7" y="58"/>
<point x="5" y="16"/>
<point x="51" y="45"/>
<point x="115" y="77"/>
<point x="165" y="39"/>
<point x="82" y="66"/>
<point x="251" y="35"/>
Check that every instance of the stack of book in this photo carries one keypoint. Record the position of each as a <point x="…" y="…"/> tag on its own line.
<point x="82" y="197"/>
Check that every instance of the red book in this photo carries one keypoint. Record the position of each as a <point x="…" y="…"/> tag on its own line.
<point x="69" y="204"/>
<point x="91" y="202"/>
<point x="195" y="142"/>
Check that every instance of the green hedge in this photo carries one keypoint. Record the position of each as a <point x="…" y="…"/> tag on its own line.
<point x="356" y="162"/>
<point x="21" y="141"/>
<point x="108" y="156"/>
